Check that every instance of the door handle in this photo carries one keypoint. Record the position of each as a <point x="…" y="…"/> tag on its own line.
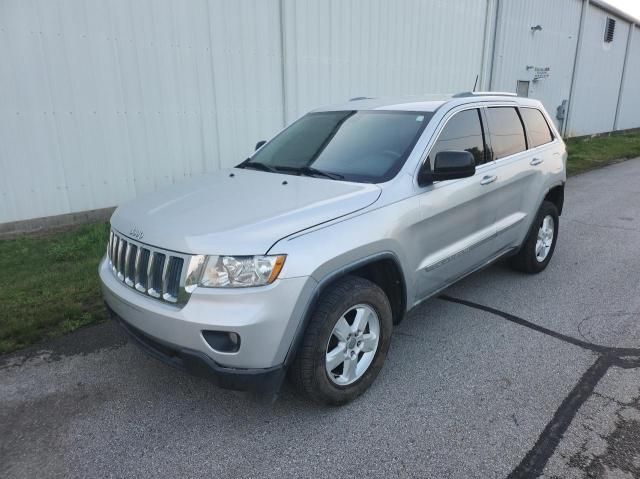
<point x="488" y="179"/>
<point x="536" y="161"/>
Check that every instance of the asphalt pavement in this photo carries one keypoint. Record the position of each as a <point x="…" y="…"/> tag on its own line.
<point x="504" y="375"/>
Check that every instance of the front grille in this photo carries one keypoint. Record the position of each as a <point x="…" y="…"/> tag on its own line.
<point x="152" y="271"/>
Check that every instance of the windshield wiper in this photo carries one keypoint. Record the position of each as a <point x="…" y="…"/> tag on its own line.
<point x="302" y="170"/>
<point x="256" y="166"/>
<point x="311" y="171"/>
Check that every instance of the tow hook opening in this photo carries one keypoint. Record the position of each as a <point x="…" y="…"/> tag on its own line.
<point x="222" y="341"/>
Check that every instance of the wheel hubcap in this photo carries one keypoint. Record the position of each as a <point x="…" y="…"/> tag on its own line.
<point x="545" y="238"/>
<point x="352" y="345"/>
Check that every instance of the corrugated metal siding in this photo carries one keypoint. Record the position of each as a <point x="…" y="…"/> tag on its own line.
<point x="598" y="76"/>
<point x="340" y="49"/>
<point x="102" y="101"/>
<point x="629" y="116"/>
<point x="519" y="49"/>
<point x="108" y="99"/>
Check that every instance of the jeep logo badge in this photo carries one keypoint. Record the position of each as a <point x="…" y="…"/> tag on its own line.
<point x="136" y="233"/>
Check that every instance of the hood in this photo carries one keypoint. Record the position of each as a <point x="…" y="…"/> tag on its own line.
<point x="243" y="214"/>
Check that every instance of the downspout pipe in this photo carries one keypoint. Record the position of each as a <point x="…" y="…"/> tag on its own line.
<point x="576" y="68"/>
<point x="632" y="27"/>
<point x="493" y="45"/>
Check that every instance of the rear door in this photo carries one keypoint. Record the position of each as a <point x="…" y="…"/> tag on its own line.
<point x="518" y="178"/>
<point x="456" y="232"/>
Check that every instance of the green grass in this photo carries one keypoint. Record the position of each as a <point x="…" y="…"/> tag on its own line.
<point x="49" y="285"/>
<point x="589" y="153"/>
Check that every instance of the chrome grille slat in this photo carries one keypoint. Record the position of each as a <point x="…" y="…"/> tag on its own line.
<point x="171" y="279"/>
<point x="155" y="278"/>
<point x="110" y="246"/>
<point x="149" y="270"/>
<point x="143" y="271"/>
<point x="174" y="277"/>
<point x="129" y="264"/>
<point x="120" y="259"/>
<point x="136" y="268"/>
<point x="165" y="274"/>
<point x="114" y="255"/>
<point x="114" y="252"/>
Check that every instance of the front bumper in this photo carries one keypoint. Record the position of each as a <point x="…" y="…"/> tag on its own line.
<point x="266" y="381"/>
<point x="266" y="319"/>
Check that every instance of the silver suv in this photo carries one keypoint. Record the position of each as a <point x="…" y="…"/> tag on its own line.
<point x="303" y="257"/>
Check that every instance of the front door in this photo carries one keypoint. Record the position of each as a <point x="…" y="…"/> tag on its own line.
<point x="457" y="229"/>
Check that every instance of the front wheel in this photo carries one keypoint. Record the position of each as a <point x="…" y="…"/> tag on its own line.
<point x="540" y="243"/>
<point x="346" y="342"/>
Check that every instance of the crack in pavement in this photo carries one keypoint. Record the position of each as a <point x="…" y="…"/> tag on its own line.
<point x="534" y="462"/>
<point x="622" y="447"/>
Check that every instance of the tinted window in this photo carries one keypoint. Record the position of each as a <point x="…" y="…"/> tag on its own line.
<point x="507" y="134"/>
<point x="462" y="132"/>
<point x="367" y="146"/>
<point x="537" y="127"/>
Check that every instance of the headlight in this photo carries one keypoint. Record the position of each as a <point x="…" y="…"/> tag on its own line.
<point x="237" y="271"/>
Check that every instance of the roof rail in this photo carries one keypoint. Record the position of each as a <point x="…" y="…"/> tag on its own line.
<point x="465" y="94"/>
<point x="360" y="98"/>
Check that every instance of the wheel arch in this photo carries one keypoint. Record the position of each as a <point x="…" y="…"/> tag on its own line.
<point x="555" y="195"/>
<point x="384" y="269"/>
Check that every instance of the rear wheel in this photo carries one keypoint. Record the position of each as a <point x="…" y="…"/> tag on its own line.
<point x="538" y="247"/>
<point x="346" y="342"/>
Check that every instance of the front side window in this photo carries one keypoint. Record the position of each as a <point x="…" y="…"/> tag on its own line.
<point x="463" y="132"/>
<point x="363" y="146"/>
<point x="537" y="127"/>
<point x="507" y="132"/>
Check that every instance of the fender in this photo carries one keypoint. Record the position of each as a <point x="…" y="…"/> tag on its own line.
<point x="533" y="217"/>
<point x="561" y="195"/>
<point x="325" y="281"/>
<point x="553" y="185"/>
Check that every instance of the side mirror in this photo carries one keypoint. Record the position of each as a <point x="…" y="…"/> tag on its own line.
<point x="260" y="143"/>
<point x="448" y="165"/>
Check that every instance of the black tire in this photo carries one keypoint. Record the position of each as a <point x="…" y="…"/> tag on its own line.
<point x="308" y="372"/>
<point x="525" y="260"/>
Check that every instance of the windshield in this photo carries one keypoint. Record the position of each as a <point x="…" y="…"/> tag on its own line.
<point x="363" y="146"/>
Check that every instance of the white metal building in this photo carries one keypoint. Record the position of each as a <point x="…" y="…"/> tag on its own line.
<point x="105" y="100"/>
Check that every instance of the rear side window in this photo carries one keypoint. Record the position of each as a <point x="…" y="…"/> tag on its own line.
<point x="537" y="127"/>
<point x="463" y="132"/>
<point x="507" y="133"/>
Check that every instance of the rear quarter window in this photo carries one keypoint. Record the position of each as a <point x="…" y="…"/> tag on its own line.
<point x="507" y="132"/>
<point x="537" y="127"/>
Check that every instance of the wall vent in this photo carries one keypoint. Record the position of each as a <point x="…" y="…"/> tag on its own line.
<point x="609" y="30"/>
<point x="522" y="88"/>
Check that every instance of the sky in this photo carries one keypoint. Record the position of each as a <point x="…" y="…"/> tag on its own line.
<point x="630" y="6"/>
